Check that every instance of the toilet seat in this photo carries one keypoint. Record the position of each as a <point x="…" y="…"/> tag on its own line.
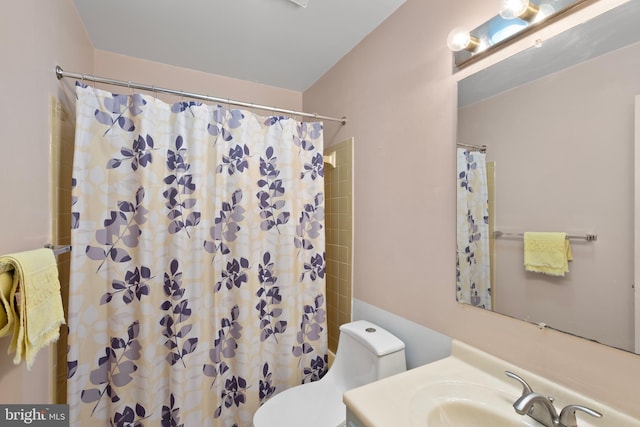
<point x="316" y="404"/>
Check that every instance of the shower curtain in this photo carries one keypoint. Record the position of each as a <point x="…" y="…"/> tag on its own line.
<point x="197" y="285"/>
<point x="473" y="280"/>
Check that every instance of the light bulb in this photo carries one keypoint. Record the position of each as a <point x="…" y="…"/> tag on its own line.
<point x="522" y="9"/>
<point x="545" y="11"/>
<point x="461" y="39"/>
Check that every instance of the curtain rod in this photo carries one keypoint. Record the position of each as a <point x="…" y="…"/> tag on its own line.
<point x="481" y="148"/>
<point x="60" y="73"/>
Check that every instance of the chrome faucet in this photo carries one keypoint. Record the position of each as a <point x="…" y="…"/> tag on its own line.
<point x="541" y="408"/>
<point x="538" y="407"/>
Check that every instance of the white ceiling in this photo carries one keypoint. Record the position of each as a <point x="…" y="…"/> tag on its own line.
<point x="274" y="42"/>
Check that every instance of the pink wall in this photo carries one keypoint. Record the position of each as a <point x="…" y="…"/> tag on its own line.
<point x="35" y="36"/>
<point x="398" y="92"/>
<point x="127" y="68"/>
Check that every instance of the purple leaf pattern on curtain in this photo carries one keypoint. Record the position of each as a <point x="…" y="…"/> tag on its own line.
<point x="122" y="227"/>
<point x="306" y="134"/>
<point x="224" y="121"/>
<point x="236" y="160"/>
<point x="115" y="109"/>
<point x="314" y="169"/>
<point x="270" y="300"/>
<point x="225" y="345"/>
<point x="226" y="226"/>
<point x="134" y="286"/>
<point x="200" y="292"/>
<point x="129" y="416"/>
<point x="310" y="223"/>
<point x="179" y="107"/>
<point x="234" y="275"/>
<point x="179" y="201"/>
<point x="114" y="368"/>
<point x="271" y="197"/>
<point x="473" y="279"/>
<point x="139" y="154"/>
<point x="171" y="414"/>
<point x="178" y="312"/>
<point x="310" y="331"/>
<point x="75" y="216"/>
<point x="266" y="385"/>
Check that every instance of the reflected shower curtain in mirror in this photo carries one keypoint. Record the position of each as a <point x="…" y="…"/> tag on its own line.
<point x="197" y="285"/>
<point x="473" y="279"/>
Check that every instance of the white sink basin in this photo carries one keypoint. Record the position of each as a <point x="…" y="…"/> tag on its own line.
<point x="460" y="413"/>
<point x="464" y="404"/>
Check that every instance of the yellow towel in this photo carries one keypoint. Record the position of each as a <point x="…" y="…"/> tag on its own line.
<point x="7" y="310"/>
<point x="39" y="304"/>
<point x="547" y="253"/>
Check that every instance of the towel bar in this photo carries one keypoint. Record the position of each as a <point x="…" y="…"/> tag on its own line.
<point x="57" y="250"/>
<point x="587" y="237"/>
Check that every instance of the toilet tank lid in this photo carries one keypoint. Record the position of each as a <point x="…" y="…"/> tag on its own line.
<point x="377" y="339"/>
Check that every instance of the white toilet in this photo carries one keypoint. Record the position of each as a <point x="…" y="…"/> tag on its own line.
<point x="366" y="353"/>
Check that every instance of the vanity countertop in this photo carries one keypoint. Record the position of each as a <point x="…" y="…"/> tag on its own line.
<point x="393" y="401"/>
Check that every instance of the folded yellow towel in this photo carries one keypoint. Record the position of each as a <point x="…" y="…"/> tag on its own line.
<point x="39" y="305"/>
<point x="547" y="253"/>
<point x="7" y="310"/>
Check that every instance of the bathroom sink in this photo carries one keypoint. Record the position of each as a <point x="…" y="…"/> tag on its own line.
<point x="459" y="413"/>
<point x="467" y="389"/>
<point x="464" y="404"/>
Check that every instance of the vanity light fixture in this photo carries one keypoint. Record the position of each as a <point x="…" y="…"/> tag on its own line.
<point x="516" y="19"/>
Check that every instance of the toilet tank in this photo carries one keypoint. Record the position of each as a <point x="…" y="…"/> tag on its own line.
<point x="366" y="353"/>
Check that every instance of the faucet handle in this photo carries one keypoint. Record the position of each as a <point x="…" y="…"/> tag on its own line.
<point x="568" y="415"/>
<point x="526" y="388"/>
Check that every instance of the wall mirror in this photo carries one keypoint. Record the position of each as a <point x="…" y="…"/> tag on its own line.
<point x="558" y="124"/>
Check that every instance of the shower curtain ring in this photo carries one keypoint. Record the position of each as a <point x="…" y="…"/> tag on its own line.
<point x="94" y="80"/>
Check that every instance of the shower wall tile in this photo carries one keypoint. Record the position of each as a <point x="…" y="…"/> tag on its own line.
<point x="339" y="231"/>
<point x="61" y="140"/>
